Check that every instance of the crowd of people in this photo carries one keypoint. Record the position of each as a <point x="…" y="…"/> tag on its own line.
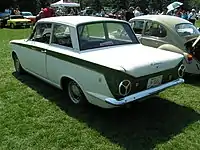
<point x="122" y="14"/>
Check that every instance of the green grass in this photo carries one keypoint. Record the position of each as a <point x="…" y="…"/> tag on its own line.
<point x="198" y="23"/>
<point x="34" y="115"/>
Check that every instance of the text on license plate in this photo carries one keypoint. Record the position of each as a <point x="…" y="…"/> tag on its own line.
<point x="155" y="81"/>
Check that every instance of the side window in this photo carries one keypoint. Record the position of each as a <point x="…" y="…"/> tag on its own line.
<point x="137" y="26"/>
<point x="155" y="29"/>
<point x="42" y="33"/>
<point x="91" y="32"/>
<point x="61" y="35"/>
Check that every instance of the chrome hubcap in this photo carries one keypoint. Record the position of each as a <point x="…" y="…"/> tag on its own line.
<point x="74" y="92"/>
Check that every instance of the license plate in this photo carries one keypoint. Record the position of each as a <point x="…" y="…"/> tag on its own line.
<point x="24" y="24"/>
<point x="155" y="81"/>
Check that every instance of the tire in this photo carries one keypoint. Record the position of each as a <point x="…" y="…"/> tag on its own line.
<point x="17" y="65"/>
<point x="12" y="26"/>
<point x="74" y="93"/>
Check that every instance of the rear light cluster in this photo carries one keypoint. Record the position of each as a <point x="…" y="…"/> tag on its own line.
<point x="189" y="58"/>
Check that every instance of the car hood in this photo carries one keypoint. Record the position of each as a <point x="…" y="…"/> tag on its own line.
<point x="137" y="60"/>
<point x="19" y="20"/>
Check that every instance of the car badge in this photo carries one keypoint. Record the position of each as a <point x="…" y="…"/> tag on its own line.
<point x="156" y="65"/>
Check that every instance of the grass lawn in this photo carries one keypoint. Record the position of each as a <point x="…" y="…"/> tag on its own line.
<point x="198" y="23"/>
<point x="34" y="115"/>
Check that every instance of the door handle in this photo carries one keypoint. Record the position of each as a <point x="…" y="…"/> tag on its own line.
<point x="43" y="51"/>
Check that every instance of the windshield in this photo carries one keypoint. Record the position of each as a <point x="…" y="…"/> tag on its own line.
<point x="103" y="34"/>
<point x="16" y="17"/>
<point x="27" y="14"/>
<point x="186" y="29"/>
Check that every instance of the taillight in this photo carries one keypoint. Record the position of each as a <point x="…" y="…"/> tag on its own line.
<point x="189" y="58"/>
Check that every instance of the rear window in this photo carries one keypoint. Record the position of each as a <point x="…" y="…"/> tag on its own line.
<point x="104" y="34"/>
<point x="186" y="29"/>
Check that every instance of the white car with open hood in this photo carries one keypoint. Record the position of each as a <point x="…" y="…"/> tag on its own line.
<point x="78" y="55"/>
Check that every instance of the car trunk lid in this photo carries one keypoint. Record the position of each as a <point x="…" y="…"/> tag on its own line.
<point x="136" y="60"/>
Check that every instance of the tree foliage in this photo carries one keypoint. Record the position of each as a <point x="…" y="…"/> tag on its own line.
<point x="35" y="5"/>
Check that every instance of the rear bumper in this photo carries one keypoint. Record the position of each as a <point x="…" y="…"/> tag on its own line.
<point x="143" y="94"/>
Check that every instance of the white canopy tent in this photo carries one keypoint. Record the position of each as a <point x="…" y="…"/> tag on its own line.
<point x="62" y="3"/>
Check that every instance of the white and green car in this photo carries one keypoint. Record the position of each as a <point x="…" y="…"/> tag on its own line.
<point x="78" y="55"/>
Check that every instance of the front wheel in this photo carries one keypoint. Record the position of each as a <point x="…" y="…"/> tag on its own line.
<point x="75" y="93"/>
<point x="12" y="26"/>
<point x="17" y="65"/>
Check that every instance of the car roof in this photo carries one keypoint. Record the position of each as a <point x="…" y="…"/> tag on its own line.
<point x="164" y="19"/>
<point x="76" y="20"/>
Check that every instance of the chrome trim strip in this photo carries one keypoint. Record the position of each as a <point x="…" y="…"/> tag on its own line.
<point x="143" y="94"/>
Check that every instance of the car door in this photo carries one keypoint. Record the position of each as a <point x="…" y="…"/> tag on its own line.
<point x="38" y="45"/>
<point x="61" y="43"/>
<point x="154" y="34"/>
<point x="138" y="27"/>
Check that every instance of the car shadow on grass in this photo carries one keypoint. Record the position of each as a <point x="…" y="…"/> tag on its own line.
<point x="142" y="126"/>
<point x="193" y="80"/>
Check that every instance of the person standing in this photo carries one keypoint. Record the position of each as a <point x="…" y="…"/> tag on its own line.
<point x="129" y="14"/>
<point x="192" y="16"/>
<point x="17" y="12"/>
<point x="137" y="12"/>
<point x="48" y="11"/>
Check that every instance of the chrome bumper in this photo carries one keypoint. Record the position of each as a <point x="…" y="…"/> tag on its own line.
<point x="143" y="94"/>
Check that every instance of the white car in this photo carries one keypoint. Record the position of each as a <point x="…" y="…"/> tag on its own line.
<point x="77" y="55"/>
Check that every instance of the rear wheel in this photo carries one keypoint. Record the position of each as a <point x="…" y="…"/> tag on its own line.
<point x="17" y="65"/>
<point x="75" y="93"/>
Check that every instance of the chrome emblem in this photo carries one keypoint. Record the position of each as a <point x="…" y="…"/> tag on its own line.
<point x="156" y="64"/>
<point x="181" y="71"/>
<point x="124" y="87"/>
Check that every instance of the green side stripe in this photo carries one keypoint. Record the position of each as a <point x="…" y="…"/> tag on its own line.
<point x="71" y="59"/>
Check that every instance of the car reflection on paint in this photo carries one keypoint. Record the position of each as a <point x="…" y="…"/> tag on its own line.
<point x="78" y="55"/>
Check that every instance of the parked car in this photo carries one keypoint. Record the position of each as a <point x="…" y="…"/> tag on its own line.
<point x="14" y="21"/>
<point x="77" y="55"/>
<point x="170" y="33"/>
<point x="29" y="15"/>
<point x="3" y="21"/>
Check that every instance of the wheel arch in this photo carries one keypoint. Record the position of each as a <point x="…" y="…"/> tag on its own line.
<point x="13" y="54"/>
<point x="65" y="79"/>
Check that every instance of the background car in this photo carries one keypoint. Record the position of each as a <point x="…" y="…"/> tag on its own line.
<point x="170" y="33"/>
<point x="14" y="21"/>
<point x="78" y="55"/>
<point x="29" y="15"/>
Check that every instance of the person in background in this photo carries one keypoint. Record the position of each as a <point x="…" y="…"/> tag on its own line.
<point x="178" y="12"/>
<point x="137" y="12"/>
<point x="39" y="15"/>
<point x="48" y="11"/>
<point x="146" y="11"/>
<point x="102" y="13"/>
<point x="17" y="12"/>
<point x="164" y="11"/>
<point x="129" y="14"/>
<point x="192" y="16"/>
<point x="72" y="12"/>
<point x="184" y="15"/>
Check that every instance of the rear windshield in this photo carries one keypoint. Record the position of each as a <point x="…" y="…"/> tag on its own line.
<point x="186" y="29"/>
<point x="27" y="14"/>
<point x="104" y="34"/>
